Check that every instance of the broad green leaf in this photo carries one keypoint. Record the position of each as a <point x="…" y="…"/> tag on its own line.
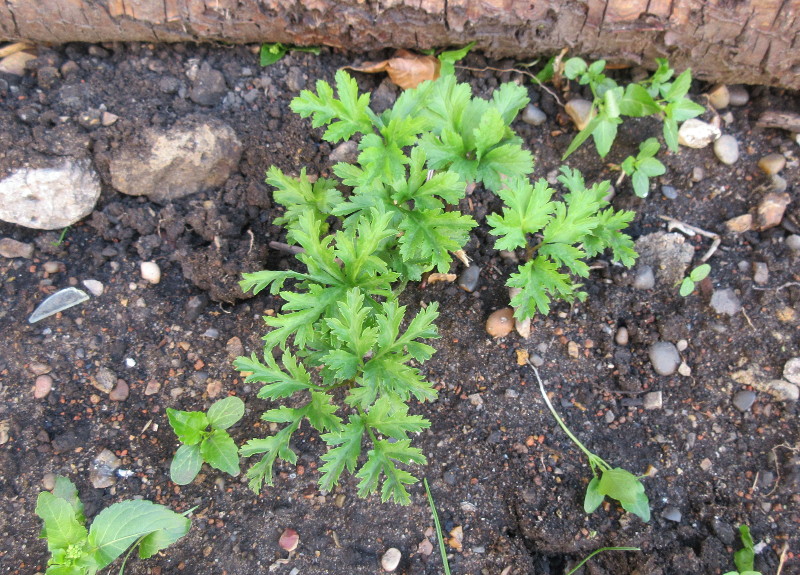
<point x="680" y="87"/>
<point x="121" y="525"/>
<point x="639" y="506"/>
<point x="271" y="53"/>
<point x="527" y="210"/>
<point x="637" y="102"/>
<point x="651" y="167"/>
<point x="745" y="557"/>
<point x="61" y="525"/>
<point x="449" y="58"/>
<point x="189" y="426"/>
<point x="224" y="413"/>
<point x="604" y="133"/>
<point x="687" y="287"/>
<point x="220" y="452"/>
<point x="641" y="184"/>
<point x="503" y="162"/>
<point x="596" y="68"/>
<point x="345" y="455"/>
<point x="628" y="165"/>
<point x="611" y="102"/>
<point x="489" y="133"/>
<point x="620" y="484"/>
<point x="648" y="148"/>
<point x="593" y="497"/>
<point x="185" y="464"/>
<point x="66" y="490"/>
<point x="671" y="133"/>
<point x="684" y="109"/>
<point x="574" y="67"/>
<point x="65" y="570"/>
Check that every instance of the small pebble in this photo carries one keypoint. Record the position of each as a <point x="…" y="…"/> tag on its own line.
<point x="761" y="273"/>
<point x="609" y="417"/>
<point x="793" y="242"/>
<point x="695" y="133"/>
<point x="10" y="248"/>
<point x="772" y="164"/>
<point x="725" y="301"/>
<point x="391" y="559"/>
<point x="698" y="174"/>
<point x="95" y="287"/>
<point x="622" y="336"/>
<point x="500" y="323"/>
<point x="771" y="209"/>
<point x="782" y="390"/>
<point x="706" y="464"/>
<point x="682" y="345"/>
<point x="39" y="368"/>
<point x="345" y="152"/>
<point x="53" y="267"/>
<point x="523" y="327"/>
<point x="101" y="474"/>
<point x="289" y="539"/>
<point x="108" y="119"/>
<point x="740" y="224"/>
<point x="669" y="192"/>
<point x="476" y="400"/>
<point x="43" y="386"/>
<point x="665" y="357"/>
<point x="580" y="111"/>
<point x="468" y="281"/>
<point x="684" y="369"/>
<point x="152" y="387"/>
<point x="572" y="350"/>
<point x="671" y="514"/>
<point x="509" y="256"/>
<point x="778" y="183"/>
<point x="533" y="115"/>
<point x="737" y="95"/>
<point x="653" y="400"/>
<point x="49" y="481"/>
<point x="744" y="400"/>
<point x="719" y="96"/>
<point x="105" y="380"/>
<point x="791" y="370"/>
<point x="645" y="279"/>
<point x="120" y="391"/>
<point x="211" y="333"/>
<point x="151" y="272"/>
<point x="726" y="149"/>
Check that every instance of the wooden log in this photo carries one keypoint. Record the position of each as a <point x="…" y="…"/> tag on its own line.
<point x="732" y="41"/>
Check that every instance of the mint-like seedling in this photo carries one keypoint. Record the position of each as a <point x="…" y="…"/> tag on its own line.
<point x="644" y="166"/>
<point x="76" y="550"/>
<point x="697" y="275"/>
<point x="745" y="557"/>
<point x="205" y="439"/>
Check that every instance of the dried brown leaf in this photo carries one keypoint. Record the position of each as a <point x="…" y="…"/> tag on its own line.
<point x="405" y="69"/>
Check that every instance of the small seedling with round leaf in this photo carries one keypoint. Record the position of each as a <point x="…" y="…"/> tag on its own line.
<point x="697" y="275"/>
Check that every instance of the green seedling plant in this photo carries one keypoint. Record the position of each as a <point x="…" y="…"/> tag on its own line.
<point x="597" y="552"/>
<point x="558" y="236"/>
<point x="659" y="96"/>
<point x="438" y="525"/>
<point x="697" y="275"/>
<point x="205" y="439"/>
<point x="615" y="483"/>
<point x="745" y="557"/>
<point x="271" y="53"/>
<point x="643" y="166"/>
<point x="76" y="550"/>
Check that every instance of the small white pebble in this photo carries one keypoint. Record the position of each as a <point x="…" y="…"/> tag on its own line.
<point x="151" y="272"/>
<point x="95" y="287"/>
<point x="391" y="559"/>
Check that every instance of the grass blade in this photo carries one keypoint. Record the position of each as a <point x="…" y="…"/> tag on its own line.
<point x="438" y="525"/>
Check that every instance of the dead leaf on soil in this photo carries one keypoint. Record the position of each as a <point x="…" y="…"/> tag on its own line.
<point x="405" y="69"/>
<point x="456" y="538"/>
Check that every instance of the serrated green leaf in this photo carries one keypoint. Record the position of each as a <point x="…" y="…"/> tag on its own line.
<point x="225" y="412"/>
<point x="299" y="195"/>
<point x="539" y="280"/>
<point x="380" y="461"/>
<point x="429" y="236"/>
<point x="391" y="419"/>
<point x="384" y="161"/>
<point x="281" y="383"/>
<point x="449" y="58"/>
<point x="189" y="426"/>
<point x="186" y="464"/>
<point x="444" y="106"/>
<point x="489" y="133"/>
<point x="527" y="210"/>
<point x="509" y="99"/>
<point x="220" y="452"/>
<point x="503" y="162"/>
<point x="321" y="413"/>
<point x="593" y="498"/>
<point x="61" y="525"/>
<point x="121" y="525"/>
<point x="567" y="255"/>
<point x="345" y="455"/>
<point x="272" y="447"/>
<point x="607" y="234"/>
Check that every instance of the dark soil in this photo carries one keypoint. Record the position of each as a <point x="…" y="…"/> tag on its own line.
<point x="499" y="468"/>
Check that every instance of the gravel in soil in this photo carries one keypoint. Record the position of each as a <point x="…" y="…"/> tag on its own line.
<point x="96" y="378"/>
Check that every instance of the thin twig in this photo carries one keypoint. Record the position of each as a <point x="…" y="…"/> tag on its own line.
<point x="784" y="551"/>
<point x="690" y="230"/>
<point x="523" y="72"/>
<point x="282" y="247"/>
<point x="779" y="288"/>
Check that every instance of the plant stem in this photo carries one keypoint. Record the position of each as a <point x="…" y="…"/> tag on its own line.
<point x="593" y="553"/>
<point x="593" y="459"/>
<point x="439" y="535"/>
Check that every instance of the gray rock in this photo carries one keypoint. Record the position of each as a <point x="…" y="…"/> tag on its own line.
<point x="761" y="273"/>
<point x="671" y="514"/>
<point x="793" y="242"/>
<point x="295" y="79"/>
<point x="737" y="95"/>
<point x="169" y="84"/>
<point x="653" y="400"/>
<point x="345" y="152"/>
<point x="645" y="279"/>
<point x="726" y="148"/>
<point x="664" y="357"/>
<point x="11" y="248"/>
<point x="208" y="87"/>
<point x="104" y="380"/>
<point x="196" y="154"/>
<point x="49" y="198"/>
<point x="725" y="301"/>
<point x="667" y="253"/>
<point x="533" y="115"/>
<point x="468" y="281"/>
<point x="791" y="370"/>
<point x="782" y="390"/>
<point x="102" y="472"/>
<point x="669" y="192"/>
<point x="744" y="400"/>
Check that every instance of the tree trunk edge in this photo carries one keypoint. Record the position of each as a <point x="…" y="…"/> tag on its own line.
<point x="727" y="41"/>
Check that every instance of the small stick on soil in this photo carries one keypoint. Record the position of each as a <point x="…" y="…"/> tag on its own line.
<point x="784" y="551"/>
<point x="282" y="247"/>
<point x="747" y="317"/>
<point x="518" y="71"/>
<point x="690" y="230"/>
<point x="779" y="288"/>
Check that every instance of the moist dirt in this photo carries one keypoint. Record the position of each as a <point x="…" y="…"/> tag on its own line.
<point x="499" y="467"/>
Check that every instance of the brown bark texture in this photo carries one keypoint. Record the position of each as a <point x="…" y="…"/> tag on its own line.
<point x="734" y="41"/>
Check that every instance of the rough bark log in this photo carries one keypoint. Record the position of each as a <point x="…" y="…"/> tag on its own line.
<point x="735" y="41"/>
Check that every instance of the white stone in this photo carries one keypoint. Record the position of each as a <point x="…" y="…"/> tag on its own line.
<point x="151" y="272"/>
<point x="391" y="559"/>
<point x="725" y="301"/>
<point x="49" y="198"/>
<point x="726" y="148"/>
<point x="695" y="133"/>
<point x="782" y="390"/>
<point x="581" y="112"/>
<point x="95" y="287"/>
<point x="791" y="370"/>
